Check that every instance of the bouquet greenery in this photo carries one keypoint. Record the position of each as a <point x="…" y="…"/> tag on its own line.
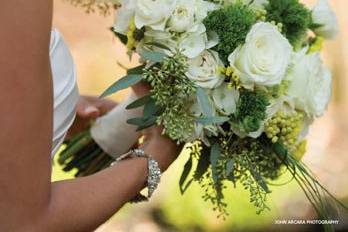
<point x="238" y="81"/>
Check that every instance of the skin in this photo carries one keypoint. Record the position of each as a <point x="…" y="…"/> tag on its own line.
<point x="29" y="201"/>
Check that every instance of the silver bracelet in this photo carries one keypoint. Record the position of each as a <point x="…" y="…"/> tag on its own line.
<point x="154" y="173"/>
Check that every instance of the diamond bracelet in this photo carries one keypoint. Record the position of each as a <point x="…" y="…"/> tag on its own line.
<point x="154" y="173"/>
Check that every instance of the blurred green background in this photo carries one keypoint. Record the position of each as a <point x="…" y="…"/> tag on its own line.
<point x="97" y="52"/>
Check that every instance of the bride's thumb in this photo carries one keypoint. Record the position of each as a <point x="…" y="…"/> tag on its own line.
<point x="86" y="110"/>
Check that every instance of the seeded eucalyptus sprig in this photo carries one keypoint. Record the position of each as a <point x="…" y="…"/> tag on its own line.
<point x="171" y="90"/>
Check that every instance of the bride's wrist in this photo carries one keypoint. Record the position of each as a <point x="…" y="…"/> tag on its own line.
<point x="162" y="149"/>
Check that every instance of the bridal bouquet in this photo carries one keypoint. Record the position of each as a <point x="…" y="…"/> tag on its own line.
<point x="238" y="81"/>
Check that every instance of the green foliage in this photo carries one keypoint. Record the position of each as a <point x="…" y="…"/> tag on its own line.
<point x="240" y="160"/>
<point x="156" y="57"/>
<point x="122" y="83"/>
<point x="232" y="24"/>
<point x="253" y="161"/>
<point x="294" y="16"/>
<point x="171" y="90"/>
<point x="251" y="110"/>
<point x="204" y="102"/>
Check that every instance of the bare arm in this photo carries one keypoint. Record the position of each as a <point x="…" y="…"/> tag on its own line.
<point x="28" y="200"/>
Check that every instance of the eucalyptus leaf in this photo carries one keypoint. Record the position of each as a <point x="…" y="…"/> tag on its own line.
<point x="184" y="176"/>
<point x="139" y="70"/>
<point x="215" y="153"/>
<point x="123" y="83"/>
<point x="136" y="121"/>
<point x="229" y="167"/>
<point x="149" y="122"/>
<point x="259" y="179"/>
<point x="204" y="102"/>
<point x="153" y="56"/>
<point x="280" y="150"/>
<point x="151" y="109"/>
<point x="139" y="102"/>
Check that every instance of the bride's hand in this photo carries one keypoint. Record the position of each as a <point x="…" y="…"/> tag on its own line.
<point x="89" y="108"/>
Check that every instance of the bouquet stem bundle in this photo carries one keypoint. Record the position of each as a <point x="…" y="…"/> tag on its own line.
<point x="85" y="155"/>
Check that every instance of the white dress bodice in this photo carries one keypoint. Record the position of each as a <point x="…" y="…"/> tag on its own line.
<point x="65" y="88"/>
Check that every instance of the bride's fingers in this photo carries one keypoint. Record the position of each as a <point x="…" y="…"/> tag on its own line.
<point x="89" y="108"/>
<point x="141" y="89"/>
<point x="85" y="109"/>
<point x="92" y="107"/>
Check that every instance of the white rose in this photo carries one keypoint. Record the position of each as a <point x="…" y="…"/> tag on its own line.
<point x="203" y="70"/>
<point x="188" y="14"/>
<point x="310" y="84"/>
<point x="183" y="17"/>
<point x="153" y="13"/>
<point x="196" y="40"/>
<point x="225" y="99"/>
<point x="264" y="58"/>
<point x="202" y="9"/>
<point x="323" y="15"/>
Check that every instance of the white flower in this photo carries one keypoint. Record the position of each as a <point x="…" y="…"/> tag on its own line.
<point x="202" y="9"/>
<point x="203" y="70"/>
<point x="159" y="37"/>
<point x="310" y="84"/>
<point x="124" y="16"/>
<point x="323" y="15"/>
<point x="264" y="58"/>
<point x="188" y="19"/>
<point x="188" y="14"/>
<point x="193" y="44"/>
<point x="201" y="131"/>
<point x="225" y="99"/>
<point x="153" y="13"/>
<point x="183" y="17"/>
<point x="196" y="40"/>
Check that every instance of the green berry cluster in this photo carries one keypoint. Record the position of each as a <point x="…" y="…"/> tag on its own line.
<point x="285" y="128"/>
<point x="172" y="91"/>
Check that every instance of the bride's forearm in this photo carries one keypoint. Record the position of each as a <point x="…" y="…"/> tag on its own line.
<point x="85" y="203"/>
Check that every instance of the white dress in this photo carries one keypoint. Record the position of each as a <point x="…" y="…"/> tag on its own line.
<point x="111" y="131"/>
<point x="65" y="88"/>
